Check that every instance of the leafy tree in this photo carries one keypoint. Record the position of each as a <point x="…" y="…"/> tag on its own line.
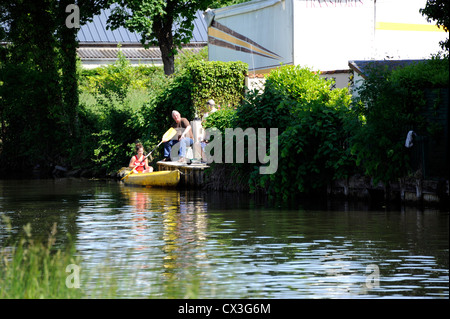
<point x="167" y="24"/>
<point x="30" y="94"/>
<point x="68" y="57"/>
<point x="221" y="3"/>
<point x="438" y="10"/>
<point x="38" y="84"/>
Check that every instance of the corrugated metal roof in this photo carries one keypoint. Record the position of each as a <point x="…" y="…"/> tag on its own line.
<point x="97" y="43"/>
<point x="96" y="31"/>
<point x="200" y="33"/>
<point x="102" y="51"/>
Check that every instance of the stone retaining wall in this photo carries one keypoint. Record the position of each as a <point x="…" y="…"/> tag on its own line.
<point x="410" y="190"/>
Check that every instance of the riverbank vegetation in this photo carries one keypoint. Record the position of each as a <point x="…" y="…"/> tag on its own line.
<point x="43" y="124"/>
<point x="324" y="134"/>
<point x="327" y="135"/>
<point x="393" y="102"/>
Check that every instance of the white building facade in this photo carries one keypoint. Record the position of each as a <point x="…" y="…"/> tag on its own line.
<point x="322" y="35"/>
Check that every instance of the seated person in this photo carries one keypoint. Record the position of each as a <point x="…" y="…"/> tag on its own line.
<point x="184" y="137"/>
<point x="138" y="163"/>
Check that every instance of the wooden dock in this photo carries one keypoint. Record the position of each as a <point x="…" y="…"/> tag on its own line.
<point x="192" y="175"/>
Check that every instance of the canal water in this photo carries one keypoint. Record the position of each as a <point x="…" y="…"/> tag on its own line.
<point x="161" y="243"/>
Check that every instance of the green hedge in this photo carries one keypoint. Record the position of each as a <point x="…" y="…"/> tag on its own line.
<point x="224" y="82"/>
<point x="190" y="89"/>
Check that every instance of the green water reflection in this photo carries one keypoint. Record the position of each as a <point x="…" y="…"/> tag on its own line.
<point x="157" y="241"/>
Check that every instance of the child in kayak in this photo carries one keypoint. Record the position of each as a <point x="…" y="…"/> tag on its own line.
<point x="138" y="163"/>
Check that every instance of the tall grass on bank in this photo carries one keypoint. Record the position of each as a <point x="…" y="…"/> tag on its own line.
<point x="34" y="269"/>
<point x="38" y="269"/>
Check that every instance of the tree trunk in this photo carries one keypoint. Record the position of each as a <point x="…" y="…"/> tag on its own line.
<point x="69" y="77"/>
<point x="168" y="58"/>
<point x="163" y="29"/>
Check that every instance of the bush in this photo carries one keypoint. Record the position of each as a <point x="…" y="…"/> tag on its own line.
<point x="313" y="151"/>
<point x="221" y="81"/>
<point x="313" y="123"/>
<point x="393" y="102"/>
<point x="121" y="77"/>
<point x="223" y="118"/>
<point x="110" y="117"/>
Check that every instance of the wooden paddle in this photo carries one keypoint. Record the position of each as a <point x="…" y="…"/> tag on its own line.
<point x="167" y="136"/>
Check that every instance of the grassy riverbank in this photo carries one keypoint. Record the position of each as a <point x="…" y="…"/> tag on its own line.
<point x="32" y="268"/>
<point x="35" y="269"/>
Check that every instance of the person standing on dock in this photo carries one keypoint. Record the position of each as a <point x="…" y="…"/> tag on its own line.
<point x="205" y="136"/>
<point x="211" y="109"/>
<point x="184" y="137"/>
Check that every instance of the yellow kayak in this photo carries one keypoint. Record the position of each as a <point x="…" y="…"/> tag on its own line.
<point x="157" y="179"/>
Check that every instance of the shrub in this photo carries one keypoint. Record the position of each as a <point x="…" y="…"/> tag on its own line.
<point x="35" y="269"/>
<point x="121" y="77"/>
<point x="223" y="118"/>
<point x="221" y="81"/>
<point x="313" y="123"/>
<point x="110" y="117"/>
<point x="394" y="103"/>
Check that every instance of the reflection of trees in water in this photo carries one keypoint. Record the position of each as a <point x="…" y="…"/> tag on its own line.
<point x="169" y="238"/>
<point x="182" y="218"/>
<point x="43" y="203"/>
<point x="185" y="229"/>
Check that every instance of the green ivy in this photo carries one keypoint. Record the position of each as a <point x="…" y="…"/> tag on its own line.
<point x="224" y="82"/>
